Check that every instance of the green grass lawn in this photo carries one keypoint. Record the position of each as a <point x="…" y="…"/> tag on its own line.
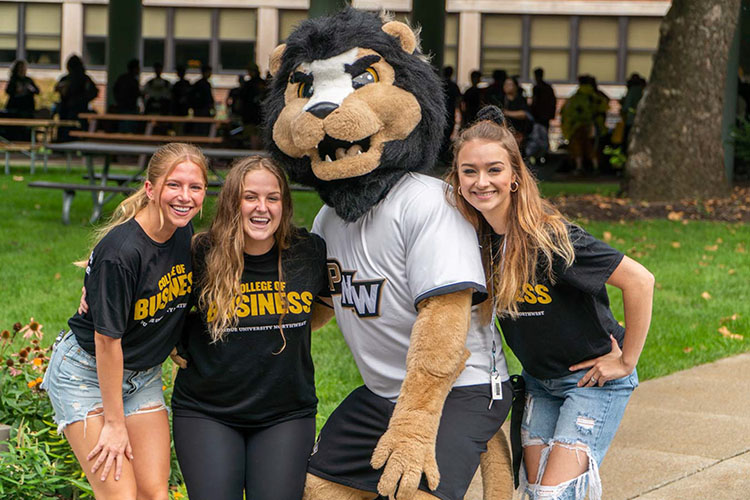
<point x="702" y="270"/>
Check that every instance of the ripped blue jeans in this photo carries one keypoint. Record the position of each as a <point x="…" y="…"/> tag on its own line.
<point x="72" y="384"/>
<point x="559" y="413"/>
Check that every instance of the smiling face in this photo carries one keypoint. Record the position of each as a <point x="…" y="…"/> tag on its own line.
<point x="261" y="210"/>
<point x="485" y="175"/>
<point x="179" y="195"/>
<point x="340" y="112"/>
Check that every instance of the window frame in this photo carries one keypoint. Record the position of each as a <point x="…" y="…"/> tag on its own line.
<point x="22" y="35"/>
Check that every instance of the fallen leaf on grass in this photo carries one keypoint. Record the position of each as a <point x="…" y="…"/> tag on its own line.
<point x="687" y="350"/>
<point x="58" y="276"/>
<point x="724" y="331"/>
<point x="675" y="216"/>
<point x="706" y="295"/>
<point x="731" y="272"/>
<point x="703" y="263"/>
<point x="719" y="240"/>
<point x="676" y="244"/>
<point x="733" y="317"/>
<point x="657" y="285"/>
<point x="607" y="236"/>
<point x="711" y="248"/>
<point x="18" y="178"/>
<point x="740" y="248"/>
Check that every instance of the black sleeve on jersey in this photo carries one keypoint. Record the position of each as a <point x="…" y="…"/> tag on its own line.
<point x="110" y="288"/>
<point x="595" y="261"/>
<point x="321" y="259"/>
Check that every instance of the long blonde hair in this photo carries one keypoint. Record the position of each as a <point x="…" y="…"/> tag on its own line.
<point x="220" y="283"/>
<point x="537" y="232"/>
<point x="161" y="164"/>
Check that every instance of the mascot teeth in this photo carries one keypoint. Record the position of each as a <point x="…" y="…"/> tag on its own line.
<point x="331" y="147"/>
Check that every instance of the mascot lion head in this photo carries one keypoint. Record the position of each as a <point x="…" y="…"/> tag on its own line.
<point x="353" y="106"/>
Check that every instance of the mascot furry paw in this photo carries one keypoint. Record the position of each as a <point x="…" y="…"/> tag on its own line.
<point x="356" y="112"/>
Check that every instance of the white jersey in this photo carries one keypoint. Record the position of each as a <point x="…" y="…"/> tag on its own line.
<point x="410" y="246"/>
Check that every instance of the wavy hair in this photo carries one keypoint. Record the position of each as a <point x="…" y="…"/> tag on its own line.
<point x="220" y="283"/>
<point x="537" y="232"/>
<point x="161" y="164"/>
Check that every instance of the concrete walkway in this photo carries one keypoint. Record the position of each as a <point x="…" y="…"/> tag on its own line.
<point x="685" y="436"/>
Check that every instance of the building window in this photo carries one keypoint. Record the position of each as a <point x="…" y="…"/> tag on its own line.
<point x="550" y="46"/>
<point x="643" y="40"/>
<point x="450" y="50"/>
<point x="598" y="43"/>
<point x="8" y="32"/>
<point x="192" y="37"/>
<point x="288" y="20"/>
<point x="154" y="34"/>
<point x="95" y="25"/>
<point x="236" y="39"/>
<point x="501" y="44"/>
<point x="42" y="34"/>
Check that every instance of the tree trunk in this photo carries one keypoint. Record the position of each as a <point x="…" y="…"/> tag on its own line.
<point x="675" y="149"/>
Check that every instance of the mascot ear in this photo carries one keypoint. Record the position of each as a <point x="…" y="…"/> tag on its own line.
<point x="405" y="35"/>
<point x="274" y="60"/>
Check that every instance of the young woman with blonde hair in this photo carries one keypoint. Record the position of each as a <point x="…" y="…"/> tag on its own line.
<point x="104" y="376"/>
<point x="547" y="280"/>
<point x="244" y="407"/>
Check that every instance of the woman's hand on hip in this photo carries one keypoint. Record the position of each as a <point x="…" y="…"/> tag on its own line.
<point x="610" y="366"/>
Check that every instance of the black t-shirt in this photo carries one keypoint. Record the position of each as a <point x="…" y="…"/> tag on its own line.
<point x="569" y="322"/>
<point x="137" y="290"/>
<point x="239" y="381"/>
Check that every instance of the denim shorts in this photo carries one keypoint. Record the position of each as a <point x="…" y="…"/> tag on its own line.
<point x="559" y="413"/>
<point x="73" y="385"/>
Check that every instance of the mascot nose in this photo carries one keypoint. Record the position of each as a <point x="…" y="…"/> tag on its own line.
<point x="323" y="109"/>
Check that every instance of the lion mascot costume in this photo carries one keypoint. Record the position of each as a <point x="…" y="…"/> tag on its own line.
<point x="356" y="112"/>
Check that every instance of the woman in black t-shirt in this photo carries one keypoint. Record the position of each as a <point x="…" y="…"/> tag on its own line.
<point x="547" y="279"/>
<point x="244" y="407"/>
<point x="104" y="376"/>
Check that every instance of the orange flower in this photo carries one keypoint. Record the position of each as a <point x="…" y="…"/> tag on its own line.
<point x="37" y="361"/>
<point x="32" y="384"/>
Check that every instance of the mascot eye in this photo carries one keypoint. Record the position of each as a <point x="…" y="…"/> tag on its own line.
<point x="305" y="90"/>
<point x="367" y="76"/>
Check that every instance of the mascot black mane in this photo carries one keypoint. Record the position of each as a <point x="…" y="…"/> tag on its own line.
<point x="318" y="39"/>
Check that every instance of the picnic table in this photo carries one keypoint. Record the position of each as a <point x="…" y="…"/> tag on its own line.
<point x="44" y="127"/>
<point x="151" y="121"/>
<point x="97" y="184"/>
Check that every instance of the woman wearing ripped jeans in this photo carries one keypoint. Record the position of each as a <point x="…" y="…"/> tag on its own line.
<point x="548" y="281"/>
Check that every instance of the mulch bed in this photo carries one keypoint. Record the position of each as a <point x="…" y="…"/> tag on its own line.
<point x="735" y="208"/>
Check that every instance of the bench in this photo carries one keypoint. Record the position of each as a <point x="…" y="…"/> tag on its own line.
<point x="151" y="122"/>
<point x="122" y="179"/>
<point x="119" y="136"/>
<point x="69" y="192"/>
<point x="45" y="128"/>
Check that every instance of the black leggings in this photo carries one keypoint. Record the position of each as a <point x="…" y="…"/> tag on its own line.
<point x="219" y="462"/>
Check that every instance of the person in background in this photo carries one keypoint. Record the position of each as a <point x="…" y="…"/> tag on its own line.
<point x="76" y="91"/>
<point x="201" y="100"/>
<point x="472" y="100"/>
<point x="157" y="93"/>
<point x="127" y="89"/>
<point x="582" y="117"/>
<point x="548" y="281"/>
<point x="636" y="85"/>
<point x="21" y="91"/>
<point x="543" y="100"/>
<point x="181" y="93"/>
<point x="252" y="93"/>
<point x="452" y="106"/>
<point x="516" y="109"/>
<point x="495" y="93"/>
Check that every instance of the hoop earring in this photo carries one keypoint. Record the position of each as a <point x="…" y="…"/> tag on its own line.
<point x="511" y="186"/>
<point x="459" y="192"/>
